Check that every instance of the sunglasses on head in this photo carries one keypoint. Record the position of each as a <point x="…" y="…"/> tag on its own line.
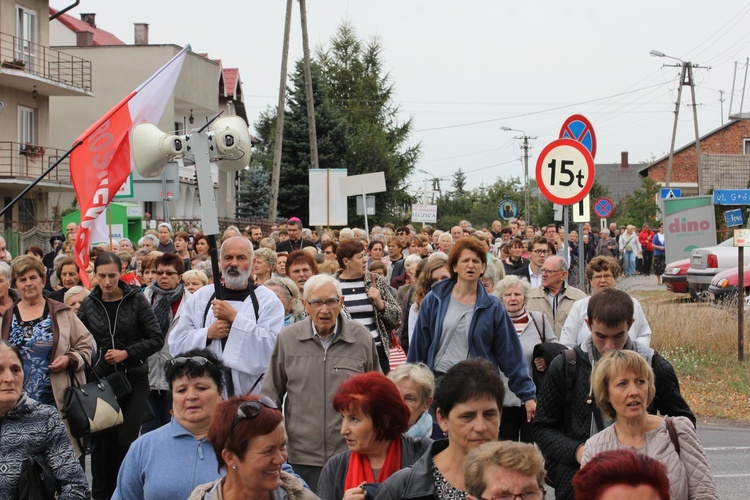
<point x="198" y="360"/>
<point x="251" y="409"/>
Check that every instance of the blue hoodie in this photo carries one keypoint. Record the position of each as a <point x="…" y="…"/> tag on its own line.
<point x="491" y="336"/>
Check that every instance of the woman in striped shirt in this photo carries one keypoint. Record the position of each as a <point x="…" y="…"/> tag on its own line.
<point x="366" y="296"/>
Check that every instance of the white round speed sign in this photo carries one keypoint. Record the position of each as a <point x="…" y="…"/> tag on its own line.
<point x="565" y="171"/>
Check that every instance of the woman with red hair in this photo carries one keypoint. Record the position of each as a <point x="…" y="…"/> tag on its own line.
<point x="374" y="421"/>
<point x="622" y="472"/>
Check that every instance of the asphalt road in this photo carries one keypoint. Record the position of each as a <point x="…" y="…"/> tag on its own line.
<point x="728" y="452"/>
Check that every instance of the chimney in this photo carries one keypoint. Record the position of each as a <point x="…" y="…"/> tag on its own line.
<point x="84" y="39"/>
<point x="624" y="160"/>
<point x="141" y="33"/>
<point x="89" y="19"/>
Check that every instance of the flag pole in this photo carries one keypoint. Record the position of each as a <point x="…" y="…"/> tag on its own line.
<point x="109" y="226"/>
<point x="38" y="179"/>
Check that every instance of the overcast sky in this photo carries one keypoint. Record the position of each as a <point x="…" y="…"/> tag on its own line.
<point x="464" y="69"/>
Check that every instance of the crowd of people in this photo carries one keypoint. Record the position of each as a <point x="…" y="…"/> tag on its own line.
<point x="343" y="365"/>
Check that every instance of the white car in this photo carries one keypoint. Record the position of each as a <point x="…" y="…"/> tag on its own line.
<point x="705" y="263"/>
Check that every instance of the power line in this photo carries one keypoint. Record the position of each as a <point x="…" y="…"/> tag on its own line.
<point x="536" y="112"/>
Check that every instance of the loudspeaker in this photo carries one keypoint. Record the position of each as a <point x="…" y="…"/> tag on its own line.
<point x="232" y="143"/>
<point x="152" y="149"/>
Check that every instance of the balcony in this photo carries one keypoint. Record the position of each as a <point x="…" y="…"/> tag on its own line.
<point x="21" y="163"/>
<point x="26" y="66"/>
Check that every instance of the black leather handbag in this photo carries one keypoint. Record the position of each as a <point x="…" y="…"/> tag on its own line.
<point x="36" y="481"/>
<point x="94" y="407"/>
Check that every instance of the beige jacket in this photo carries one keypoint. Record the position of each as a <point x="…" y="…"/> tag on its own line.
<point x="309" y="377"/>
<point x="291" y="485"/>
<point x="69" y="338"/>
<point x="689" y="473"/>
<point x="538" y="301"/>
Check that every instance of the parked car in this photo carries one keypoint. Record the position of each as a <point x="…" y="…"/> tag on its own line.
<point x="705" y="263"/>
<point x="675" y="276"/>
<point x="723" y="287"/>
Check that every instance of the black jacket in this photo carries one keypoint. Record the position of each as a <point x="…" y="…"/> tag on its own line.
<point x="415" y="482"/>
<point x="136" y="328"/>
<point x="290" y="246"/>
<point x="561" y="426"/>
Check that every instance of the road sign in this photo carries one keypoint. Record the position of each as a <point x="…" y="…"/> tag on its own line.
<point x="734" y="217"/>
<point x="603" y="207"/>
<point x="565" y="171"/>
<point x="424" y="213"/>
<point x="582" y="211"/>
<point x="670" y="193"/>
<point x="578" y="128"/>
<point x="507" y="210"/>
<point x="732" y="197"/>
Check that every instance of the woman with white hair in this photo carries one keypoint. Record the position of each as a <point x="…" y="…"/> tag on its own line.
<point x="7" y="295"/>
<point x="533" y="328"/>
<point x="630" y="248"/>
<point x="288" y="293"/>
<point x="264" y="265"/>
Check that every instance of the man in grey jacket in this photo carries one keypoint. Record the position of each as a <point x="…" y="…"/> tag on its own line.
<point x="309" y="361"/>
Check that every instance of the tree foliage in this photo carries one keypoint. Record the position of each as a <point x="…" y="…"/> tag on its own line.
<point x="640" y="206"/>
<point x="356" y="123"/>
<point x="255" y="193"/>
<point x="459" y="182"/>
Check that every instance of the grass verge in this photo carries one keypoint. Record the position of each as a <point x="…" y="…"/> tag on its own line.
<point x="701" y="343"/>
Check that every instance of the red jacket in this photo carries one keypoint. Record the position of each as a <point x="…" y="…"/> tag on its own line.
<point x="646" y="238"/>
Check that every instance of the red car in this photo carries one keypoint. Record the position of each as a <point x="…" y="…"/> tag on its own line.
<point x="723" y="287"/>
<point x="675" y="276"/>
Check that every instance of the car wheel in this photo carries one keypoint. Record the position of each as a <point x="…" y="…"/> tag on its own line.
<point x="700" y="296"/>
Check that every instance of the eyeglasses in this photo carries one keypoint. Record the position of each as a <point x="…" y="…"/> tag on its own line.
<point x="198" y="360"/>
<point x="540" y="252"/>
<point x="168" y="273"/>
<point x="550" y="271"/>
<point x="602" y="277"/>
<point x="316" y="304"/>
<point x="526" y="495"/>
<point x="251" y="409"/>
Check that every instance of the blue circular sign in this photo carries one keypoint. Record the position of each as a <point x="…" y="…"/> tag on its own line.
<point x="507" y="210"/>
<point x="603" y="207"/>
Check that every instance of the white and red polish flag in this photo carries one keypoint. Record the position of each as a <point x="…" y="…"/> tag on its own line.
<point x="102" y="161"/>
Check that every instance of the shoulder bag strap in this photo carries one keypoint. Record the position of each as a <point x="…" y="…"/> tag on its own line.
<point x="540" y="332"/>
<point x="672" y="434"/>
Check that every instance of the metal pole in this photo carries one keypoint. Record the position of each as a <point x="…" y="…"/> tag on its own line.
<point x="278" y="140"/>
<point x="309" y="89"/>
<point x="526" y="213"/>
<point x="581" y="263"/>
<point x="744" y="84"/>
<point x="741" y="304"/>
<point x="38" y="180"/>
<point x="674" y="127"/>
<point x="695" y="126"/>
<point x="364" y="207"/>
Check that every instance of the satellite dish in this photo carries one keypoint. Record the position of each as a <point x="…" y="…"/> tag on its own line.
<point x="232" y="143"/>
<point x="152" y="149"/>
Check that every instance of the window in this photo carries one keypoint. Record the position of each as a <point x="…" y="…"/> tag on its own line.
<point x="26" y="33"/>
<point x="747" y="146"/>
<point x="26" y="124"/>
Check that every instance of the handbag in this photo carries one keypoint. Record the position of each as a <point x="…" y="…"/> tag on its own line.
<point x="546" y="350"/>
<point x="93" y="407"/>
<point x="36" y="481"/>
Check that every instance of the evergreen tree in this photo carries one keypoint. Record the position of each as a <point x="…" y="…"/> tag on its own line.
<point x="255" y="193"/>
<point x="459" y="182"/>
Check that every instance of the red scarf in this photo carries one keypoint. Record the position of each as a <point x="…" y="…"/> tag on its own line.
<point x="360" y="470"/>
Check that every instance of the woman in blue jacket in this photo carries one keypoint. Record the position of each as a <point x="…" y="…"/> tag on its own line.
<point x="459" y="320"/>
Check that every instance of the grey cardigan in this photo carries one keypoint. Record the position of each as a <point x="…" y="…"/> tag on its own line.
<point x="689" y="474"/>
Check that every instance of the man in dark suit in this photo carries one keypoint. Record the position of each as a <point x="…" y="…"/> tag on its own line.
<point x="538" y="252"/>
<point x="295" y="241"/>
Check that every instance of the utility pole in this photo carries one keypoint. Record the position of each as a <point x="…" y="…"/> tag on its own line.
<point x="686" y="78"/>
<point x="276" y="170"/>
<point x="525" y="146"/>
<point x="309" y="90"/>
<point x="721" y="101"/>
